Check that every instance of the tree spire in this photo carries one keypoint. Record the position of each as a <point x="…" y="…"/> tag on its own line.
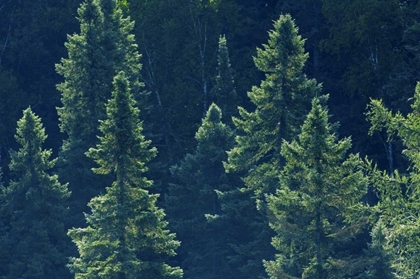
<point x="126" y="235"/>
<point x="35" y="208"/>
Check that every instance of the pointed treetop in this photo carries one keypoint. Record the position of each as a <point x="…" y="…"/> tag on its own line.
<point x="285" y="48"/>
<point x="214" y="113"/>
<point x="34" y="206"/>
<point x="224" y="93"/>
<point x="320" y="188"/>
<point x="122" y="132"/>
<point x="30" y="129"/>
<point x="89" y="14"/>
<point x="281" y="103"/>
<point x="316" y="124"/>
<point x="213" y="134"/>
<point x="317" y="138"/>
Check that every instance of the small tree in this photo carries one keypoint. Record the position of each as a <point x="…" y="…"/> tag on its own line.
<point x="315" y="208"/>
<point x="224" y="93"/>
<point x="34" y="207"/>
<point x="127" y="235"/>
<point x="197" y="177"/>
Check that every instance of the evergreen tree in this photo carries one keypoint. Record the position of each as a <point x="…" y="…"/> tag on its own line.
<point x="104" y="46"/>
<point x="193" y="196"/>
<point x="377" y="258"/>
<point x="315" y="207"/>
<point x="224" y="93"/>
<point x="84" y="92"/>
<point x="399" y="193"/>
<point x="121" y="48"/>
<point x="245" y="229"/>
<point x="126" y="235"/>
<point x="34" y="207"/>
<point x="281" y="102"/>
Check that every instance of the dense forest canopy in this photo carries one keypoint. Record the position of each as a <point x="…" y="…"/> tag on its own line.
<point x="209" y="138"/>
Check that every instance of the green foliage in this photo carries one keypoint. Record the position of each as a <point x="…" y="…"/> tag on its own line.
<point x="281" y="101"/>
<point x="12" y="102"/>
<point x="405" y="75"/>
<point x="224" y="93"/>
<point x="399" y="192"/>
<point x="316" y="206"/>
<point x="377" y="258"/>
<point x="126" y="235"/>
<point x="87" y="75"/>
<point x="396" y="124"/>
<point x="103" y="47"/>
<point x="246" y="230"/>
<point x="364" y="35"/>
<point x="357" y="49"/>
<point x="192" y="197"/>
<point x="35" y="209"/>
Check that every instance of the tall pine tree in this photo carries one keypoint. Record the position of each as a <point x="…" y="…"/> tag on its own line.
<point x="84" y="91"/>
<point x="126" y="235"/>
<point x="320" y="192"/>
<point x="103" y="47"/>
<point x="281" y="101"/>
<point x="205" y="248"/>
<point x="34" y="207"/>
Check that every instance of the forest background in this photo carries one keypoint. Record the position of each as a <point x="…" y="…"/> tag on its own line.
<point x="358" y="51"/>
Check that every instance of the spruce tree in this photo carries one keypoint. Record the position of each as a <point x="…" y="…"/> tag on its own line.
<point x="126" y="235"/>
<point x="378" y="258"/>
<point x="192" y="197"/>
<point x="34" y="207"/>
<point x="84" y="92"/>
<point x="315" y="209"/>
<point x="246" y="231"/>
<point x="121" y="48"/>
<point x="224" y="93"/>
<point x="399" y="193"/>
<point x="103" y="47"/>
<point x="281" y="101"/>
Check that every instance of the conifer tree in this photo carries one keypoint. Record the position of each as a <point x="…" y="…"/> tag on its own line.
<point x="245" y="229"/>
<point x="34" y="207"/>
<point x="103" y="47"/>
<point x="281" y="101"/>
<point x="193" y="196"/>
<point x="224" y="93"/>
<point x="84" y="92"/>
<point x="126" y="235"/>
<point x="399" y="193"/>
<point x="378" y="258"/>
<point x="121" y="48"/>
<point x="315" y="208"/>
